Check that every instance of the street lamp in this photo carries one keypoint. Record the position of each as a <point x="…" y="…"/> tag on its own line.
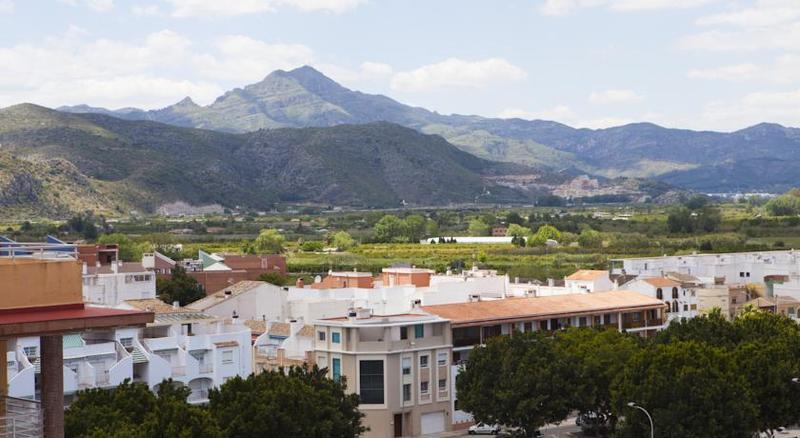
<point x="634" y="405"/>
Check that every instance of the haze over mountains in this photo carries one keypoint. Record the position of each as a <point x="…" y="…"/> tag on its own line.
<point x="764" y="157"/>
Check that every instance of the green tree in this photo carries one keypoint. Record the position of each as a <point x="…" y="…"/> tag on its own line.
<point x="180" y="287"/>
<point x="691" y="389"/>
<point x="301" y="403"/>
<point x="598" y="358"/>
<point x="390" y="229"/>
<point x="416" y="228"/>
<point x="269" y="241"/>
<point x="431" y="228"/>
<point x="518" y="381"/>
<point x="312" y="246"/>
<point x="343" y="241"/>
<point x="543" y="234"/>
<point x="518" y="231"/>
<point x="590" y="238"/>
<point x="514" y="218"/>
<point x="478" y="227"/>
<point x="784" y="205"/>
<point x="132" y="410"/>
<point x="129" y="250"/>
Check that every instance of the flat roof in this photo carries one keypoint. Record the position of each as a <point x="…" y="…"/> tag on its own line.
<point x="34" y="321"/>
<point x="587" y="275"/>
<point x="514" y="309"/>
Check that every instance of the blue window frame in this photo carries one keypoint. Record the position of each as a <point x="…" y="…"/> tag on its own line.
<point x="336" y="337"/>
<point x="337" y="369"/>
<point x="419" y="331"/>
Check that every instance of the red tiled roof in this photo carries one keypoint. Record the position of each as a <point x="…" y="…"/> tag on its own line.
<point x="587" y="275"/>
<point x="542" y="307"/>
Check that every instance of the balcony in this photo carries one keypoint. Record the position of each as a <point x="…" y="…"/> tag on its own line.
<point x="22" y="419"/>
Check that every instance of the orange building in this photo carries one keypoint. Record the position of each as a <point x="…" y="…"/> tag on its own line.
<point x="43" y="297"/>
<point x="406" y="276"/>
<point x="336" y="280"/>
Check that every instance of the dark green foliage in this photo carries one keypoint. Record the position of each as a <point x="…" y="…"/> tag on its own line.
<point x="685" y="220"/>
<point x="785" y="205"/>
<point x="691" y="390"/>
<point x="275" y="278"/>
<point x="303" y="403"/>
<point x="181" y="288"/>
<point x="83" y="224"/>
<point x="520" y="381"/>
<point x="312" y="245"/>
<point x="132" y="410"/>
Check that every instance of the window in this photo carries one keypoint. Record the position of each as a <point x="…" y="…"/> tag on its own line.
<point x="31" y="351"/>
<point x="441" y="358"/>
<point x="227" y="356"/>
<point x="337" y="369"/>
<point x="423" y="387"/>
<point x="668" y="307"/>
<point x="685" y="307"/>
<point x="582" y="321"/>
<point x="659" y="294"/>
<point x="675" y="306"/>
<point x="423" y="361"/>
<point x="126" y="342"/>
<point x="607" y="319"/>
<point x="321" y="336"/>
<point x="747" y="274"/>
<point x="403" y="332"/>
<point x="371" y="381"/>
<point x="442" y="384"/>
<point x="675" y="293"/>
<point x="419" y="331"/>
<point x="406" y="366"/>
<point x="528" y="327"/>
<point x="741" y="274"/>
<point x="694" y="307"/>
<point x="336" y="337"/>
<point x="407" y="392"/>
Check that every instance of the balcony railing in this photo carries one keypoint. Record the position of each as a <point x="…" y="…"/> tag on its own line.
<point x="21" y="419"/>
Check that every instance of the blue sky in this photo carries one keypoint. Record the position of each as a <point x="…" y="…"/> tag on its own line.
<point x="699" y="64"/>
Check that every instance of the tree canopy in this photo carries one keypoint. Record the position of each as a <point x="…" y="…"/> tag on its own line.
<point x="269" y="241"/>
<point x="180" y="287"/>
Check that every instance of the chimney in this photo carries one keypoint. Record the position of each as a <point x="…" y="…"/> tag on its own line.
<point x="363" y="313"/>
<point x="228" y="293"/>
<point x="351" y="314"/>
<point x="97" y="264"/>
<point x="299" y="283"/>
<point x="416" y="304"/>
<point x="473" y="298"/>
<point x="84" y="269"/>
<point x="114" y="267"/>
<point x="235" y="317"/>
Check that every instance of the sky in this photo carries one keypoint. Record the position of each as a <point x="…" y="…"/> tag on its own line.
<point x="695" y="64"/>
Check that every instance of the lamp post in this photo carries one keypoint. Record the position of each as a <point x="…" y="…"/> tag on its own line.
<point x="652" y="429"/>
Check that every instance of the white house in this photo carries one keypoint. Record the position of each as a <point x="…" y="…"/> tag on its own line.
<point x="681" y="299"/>
<point x="112" y="284"/>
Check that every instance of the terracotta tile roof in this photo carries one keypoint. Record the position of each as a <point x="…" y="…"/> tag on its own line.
<point x="306" y="330"/>
<point x="661" y="282"/>
<point x="542" y="307"/>
<point x="279" y="329"/>
<point x="587" y="275"/>
<point x="257" y="326"/>
<point x="155" y="305"/>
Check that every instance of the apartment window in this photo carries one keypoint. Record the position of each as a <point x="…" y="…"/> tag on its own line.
<point x="321" y="336"/>
<point x="675" y="293"/>
<point x="337" y="369"/>
<point x="659" y="294"/>
<point x="407" y="392"/>
<point x="227" y="356"/>
<point x="126" y="342"/>
<point x="528" y="327"/>
<point x="747" y="274"/>
<point x="371" y="381"/>
<point x="607" y="319"/>
<point x="403" y="332"/>
<point x="31" y="351"/>
<point x="442" y="384"/>
<point x="336" y="337"/>
<point x="423" y="361"/>
<point x="542" y="325"/>
<point x="423" y="387"/>
<point x="741" y="274"/>
<point x="406" y="366"/>
<point x="685" y="307"/>
<point x="694" y="307"/>
<point x="582" y="321"/>
<point x="419" y="331"/>
<point x="441" y="358"/>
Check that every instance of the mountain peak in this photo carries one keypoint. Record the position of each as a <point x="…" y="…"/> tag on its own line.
<point x="186" y="101"/>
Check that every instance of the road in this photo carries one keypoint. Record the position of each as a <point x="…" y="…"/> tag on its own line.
<point x="567" y="429"/>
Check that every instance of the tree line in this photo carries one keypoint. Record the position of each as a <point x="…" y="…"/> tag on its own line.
<point x="301" y="402"/>
<point x="700" y="378"/>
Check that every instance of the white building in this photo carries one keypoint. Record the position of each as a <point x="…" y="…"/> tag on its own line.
<point x="681" y="299"/>
<point x="731" y="268"/>
<point x="582" y="281"/>
<point x="112" y="284"/>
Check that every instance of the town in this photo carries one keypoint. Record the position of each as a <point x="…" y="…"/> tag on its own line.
<point x="77" y="317"/>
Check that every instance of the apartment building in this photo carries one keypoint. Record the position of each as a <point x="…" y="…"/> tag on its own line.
<point x="116" y="282"/>
<point x="729" y="268"/>
<point x="398" y="364"/>
<point x="680" y="298"/>
<point x="473" y="323"/>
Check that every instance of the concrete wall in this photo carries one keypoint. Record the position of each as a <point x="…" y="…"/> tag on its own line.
<point x="32" y="283"/>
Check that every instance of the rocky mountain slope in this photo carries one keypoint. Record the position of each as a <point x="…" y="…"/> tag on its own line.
<point x="763" y="157"/>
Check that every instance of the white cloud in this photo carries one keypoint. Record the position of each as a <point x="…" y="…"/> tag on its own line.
<point x="146" y="10"/>
<point x="6" y="6"/>
<point x="95" y="5"/>
<point x="780" y="107"/>
<point x="766" y="24"/>
<point x="564" y="7"/>
<point x="613" y="96"/>
<point x="739" y="72"/>
<point x="245" y="59"/>
<point x="457" y="73"/>
<point x="215" y="8"/>
<point x="368" y="73"/>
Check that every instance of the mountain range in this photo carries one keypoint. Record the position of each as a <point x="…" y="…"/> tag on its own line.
<point x="764" y="157"/>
